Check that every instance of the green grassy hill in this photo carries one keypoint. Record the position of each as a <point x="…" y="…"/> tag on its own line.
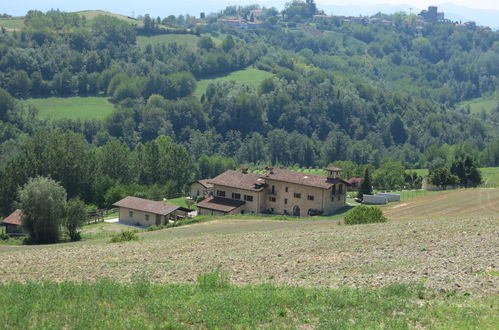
<point x="188" y="40"/>
<point x="250" y="76"/>
<point x="14" y="23"/>
<point x="480" y="104"/>
<point x="72" y="107"/>
<point x="91" y="14"/>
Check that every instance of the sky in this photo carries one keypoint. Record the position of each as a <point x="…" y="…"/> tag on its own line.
<point x="194" y="7"/>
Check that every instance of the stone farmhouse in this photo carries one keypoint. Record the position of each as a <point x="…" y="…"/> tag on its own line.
<point x="278" y="191"/>
<point x="201" y="188"/>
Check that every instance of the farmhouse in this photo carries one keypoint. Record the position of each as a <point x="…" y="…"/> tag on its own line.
<point x="201" y="188"/>
<point x="279" y="191"/>
<point x="143" y="212"/>
<point x="13" y="223"/>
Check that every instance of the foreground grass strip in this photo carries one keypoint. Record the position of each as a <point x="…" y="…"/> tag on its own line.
<point x="108" y="304"/>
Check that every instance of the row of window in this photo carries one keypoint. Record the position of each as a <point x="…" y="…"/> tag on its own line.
<point x="340" y="189"/>
<point x="247" y="198"/>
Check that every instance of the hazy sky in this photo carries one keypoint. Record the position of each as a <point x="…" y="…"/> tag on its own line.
<point x="165" y="7"/>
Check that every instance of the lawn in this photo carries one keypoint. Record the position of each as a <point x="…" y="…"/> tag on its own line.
<point x="490" y="175"/>
<point x="12" y="23"/>
<point x="72" y="107"/>
<point x="250" y="76"/>
<point x="480" y="104"/>
<point x="214" y="303"/>
<point x="188" y="40"/>
<point x="179" y="201"/>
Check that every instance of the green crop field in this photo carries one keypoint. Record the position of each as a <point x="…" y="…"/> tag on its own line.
<point x="250" y="76"/>
<point x="188" y="40"/>
<point x="72" y="107"/>
<point x="12" y="23"/>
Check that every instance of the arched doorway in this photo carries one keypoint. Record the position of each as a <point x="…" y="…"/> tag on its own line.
<point x="296" y="211"/>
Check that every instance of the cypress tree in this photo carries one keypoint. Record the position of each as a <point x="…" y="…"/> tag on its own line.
<point x="365" y="186"/>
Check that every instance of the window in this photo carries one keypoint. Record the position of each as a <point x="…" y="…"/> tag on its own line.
<point x="297" y="195"/>
<point x="147" y="217"/>
<point x="236" y="196"/>
<point x="334" y="189"/>
<point x="220" y="193"/>
<point x="310" y="197"/>
<point x="285" y="201"/>
<point x="273" y="190"/>
<point x="272" y="199"/>
<point x="339" y="198"/>
<point x="248" y="198"/>
<point x="341" y="189"/>
<point x="130" y="214"/>
<point x="286" y="189"/>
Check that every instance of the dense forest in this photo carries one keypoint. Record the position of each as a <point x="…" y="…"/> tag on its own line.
<point x="341" y="91"/>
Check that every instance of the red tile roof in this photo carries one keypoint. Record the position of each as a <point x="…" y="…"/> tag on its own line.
<point x="220" y="204"/>
<point x="14" y="219"/>
<point x="352" y="180"/>
<point x="145" y="205"/>
<point x="237" y="179"/>
<point x="302" y="178"/>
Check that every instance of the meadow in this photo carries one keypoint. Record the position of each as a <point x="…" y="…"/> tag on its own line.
<point x="91" y="14"/>
<point x="250" y="76"/>
<point x="72" y="107"/>
<point x="481" y="104"/>
<point x="213" y="302"/>
<point x="12" y="23"/>
<point x="188" y="40"/>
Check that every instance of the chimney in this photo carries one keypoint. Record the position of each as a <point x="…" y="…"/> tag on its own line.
<point x="270" y="170"/>
<point x="244" y="170"/>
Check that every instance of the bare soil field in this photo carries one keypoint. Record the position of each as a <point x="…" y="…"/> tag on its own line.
<point x="453" y="251"/>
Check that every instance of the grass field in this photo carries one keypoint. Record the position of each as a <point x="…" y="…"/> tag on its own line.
<point x="250" y="76"/>
<point x="12" y="23"/>
<point x="213" y="303"/>
<point x="480" y="104"/>
<point x="188" y="40"/>
<point x="72" y="107"/>
<point x="490" y="175"/>
<point x="91" y="14"/>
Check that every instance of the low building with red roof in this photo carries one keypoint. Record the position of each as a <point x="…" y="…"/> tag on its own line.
<point x="13" y="224"/>
<point x="144" y="212"/>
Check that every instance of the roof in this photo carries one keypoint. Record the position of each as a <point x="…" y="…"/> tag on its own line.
<point x="352" y="180"/>
<point x="14" y="219"/>
<point x="303" y="178"/>
<point x="145" y="205"/>
<point x="237" y="179"/>
<point x="205" y="183"/>
<point x="220" y="204"/>
<point x="333" y="169"/>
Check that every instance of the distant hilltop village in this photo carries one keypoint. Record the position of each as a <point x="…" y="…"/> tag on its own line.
<point x="425" y="17"/>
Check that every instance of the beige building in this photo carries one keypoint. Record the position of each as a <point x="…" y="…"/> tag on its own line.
<point x="279" y="191"/>
<point x="201" y="188"/>
<point x="143" y="212"/>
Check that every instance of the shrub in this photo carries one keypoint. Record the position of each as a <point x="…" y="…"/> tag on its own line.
<point x="125" y="236"/>
<point x="364" y="214"/>
<point x="217" y="279"/>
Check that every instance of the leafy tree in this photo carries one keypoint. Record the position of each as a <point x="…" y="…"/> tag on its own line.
<point x="76" y="216"/>
<point x="43" y="203"/>
<point x="7" y="103"/>
<point x="442" y="177"/>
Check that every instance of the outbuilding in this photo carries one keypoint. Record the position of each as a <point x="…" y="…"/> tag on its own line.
<point x="144" y="212"/>
<point x="13" y="224"/>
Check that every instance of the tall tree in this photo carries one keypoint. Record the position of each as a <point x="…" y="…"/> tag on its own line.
<point x="366" y="187"/>
<point x="43" y="203"/>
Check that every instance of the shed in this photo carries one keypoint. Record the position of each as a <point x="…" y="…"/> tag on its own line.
<point x="144" y="212"/>
<point x="374" y="199"/>
<point x="13" y="224"/>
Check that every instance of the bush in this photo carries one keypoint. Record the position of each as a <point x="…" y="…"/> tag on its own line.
<point x="217" y="279"/>
<point x="125" y="236"/>
<point x="365" y="214"/>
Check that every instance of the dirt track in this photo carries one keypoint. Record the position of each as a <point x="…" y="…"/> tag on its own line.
<point x="449" y="253"/>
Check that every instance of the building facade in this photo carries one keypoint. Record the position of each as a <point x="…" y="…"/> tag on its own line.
<point x="279" y="191"/>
